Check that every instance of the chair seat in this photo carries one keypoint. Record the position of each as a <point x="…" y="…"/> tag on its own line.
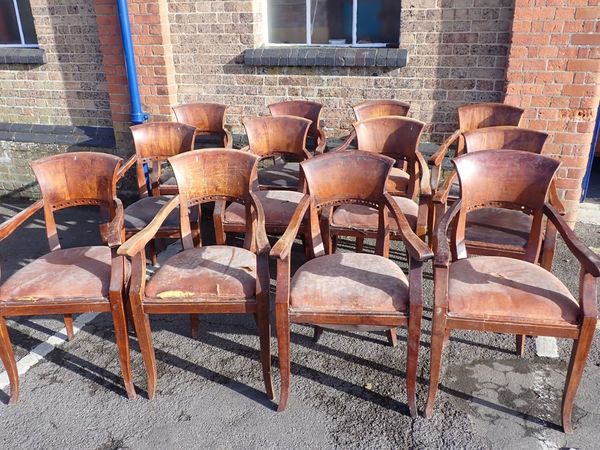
<point x="397" y="181"/>
<point x="508" y="289"/>
<point x="498" y="226"/>
<point x="349" y="282"/>
<point x="279" y="207"/>
<point x="281" y="175"/>
<point x="366" y="218"/>
<point x="141" y="213"/>
<point x="80" y="272"/>
<point x="213" y="273"/>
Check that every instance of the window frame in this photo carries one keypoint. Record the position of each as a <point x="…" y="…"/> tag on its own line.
<point x="309" y="43"/>
<point x="22" y="44"/>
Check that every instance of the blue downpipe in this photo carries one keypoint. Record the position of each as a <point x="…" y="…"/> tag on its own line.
<point x="588" y="172"/>
<point x="137" y="114"/>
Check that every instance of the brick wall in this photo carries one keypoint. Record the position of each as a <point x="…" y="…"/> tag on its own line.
<point x="70" y="88"/>
<point x="554" y="72"/>
<point x="456" y="50"/>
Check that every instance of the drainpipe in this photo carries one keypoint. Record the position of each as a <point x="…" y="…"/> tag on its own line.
<point x="137" y="115"/>
<point x="588" y="170"/>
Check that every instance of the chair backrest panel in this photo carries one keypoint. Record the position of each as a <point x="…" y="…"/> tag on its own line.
<point x="161" y="140"/>
<point x="378" y="108"/>
<point x="506" y="137"/>
<point x="205" y="117"/>
<point x="481" y="115"/>
<point x="300" y="108"/>
<point x="393" y="136"/>
<point x="277" y="135"/>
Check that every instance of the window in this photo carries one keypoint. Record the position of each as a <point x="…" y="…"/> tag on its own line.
<point x="16" y="24"/>
<point x="369" y="23"/>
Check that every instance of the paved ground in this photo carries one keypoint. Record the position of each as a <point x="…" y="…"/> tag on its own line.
<point x="348" y="390"/>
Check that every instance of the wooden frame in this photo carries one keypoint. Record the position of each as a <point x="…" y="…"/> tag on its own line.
<point x="207" y="118"/>
<point x="509" y="179"/>
<point x="69" y="180"/>
<point x="308" y="110"/>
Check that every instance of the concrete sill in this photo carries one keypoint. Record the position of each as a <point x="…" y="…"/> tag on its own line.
<point x="20" y="55"/>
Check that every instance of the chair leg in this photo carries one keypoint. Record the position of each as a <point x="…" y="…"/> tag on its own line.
<point x="282" y="325"/>
<point x="10" y="364"/>
<point x="392" y="336"/>
<point x="264" y="332"/>
<point x="318" y="332"/>
<point x="446" y="338"/>
<point x="412" y="357"/>
<point x="195" y="325"/>
<point x="128" y="315"/>
<point x="122" y="340"/>
<point x="360" y="244"/>
<point x="334" y="242"/>
<point x="144" y="334"/>
<point x="520" y="344"/>
<point x="68" y="318"/>
<point x="579" y="354"/>
<point x="435" y="364"/>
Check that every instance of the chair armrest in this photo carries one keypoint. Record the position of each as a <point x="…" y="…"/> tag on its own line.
<point x="441" y="196"/>
<point x="437" y="158"/>
<point x="442" y="254"/>
<point x="116" y="227"/>
<point x="321" y="142"/>
<point x="245" y="148"/>
<point x="262" y="242"/>
<point x="10" y="225"/>
<point x="554" y="199"/>
<point x="228" y="138"/>
<point x="346" y="143"/>
<point x="138" y="242"/>
<point x="589" y="260"/>
<point x="282" y="248"/>
<point x="125" y="167"/>
<point x="425" y="185"/>
<point x="417" y="249"/>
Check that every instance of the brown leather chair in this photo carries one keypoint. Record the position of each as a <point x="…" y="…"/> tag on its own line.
<point x="308" y="110"/>
<point x="349" y="289"/>
<point x="205" y="279"/>
<point x="154" y="143"/>
<point x="269" y="137"/>
<point x="209" y="121"/>
<point x="507" y="294"/>
<point x="74" y="280"/>
<point x="374" y="108"/>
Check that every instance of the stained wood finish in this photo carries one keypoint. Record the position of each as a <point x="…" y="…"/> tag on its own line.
<point x="69" y="180"/>
<point x="347" y="178"/>
<point x="208" y="119"/>
<point x="513" y="180"/>
<point x="375" y="108"/>
<point x="308" y="110"/>
<point x="204" y="176"/>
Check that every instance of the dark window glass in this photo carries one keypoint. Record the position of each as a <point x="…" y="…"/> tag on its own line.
<point x="331" y="22"/>
<point x="378" y="21"/>
<point x="287" y="21"/>
<point x="27" y="21"/>
<point x="9" y="28"/>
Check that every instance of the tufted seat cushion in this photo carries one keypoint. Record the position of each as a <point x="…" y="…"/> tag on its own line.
<point x="82" y="272"/>
<point x="214" y="273"/>
<point x="279" y="207"/>
<point x="280" y="175"/>
<point x="367" y="218"/>
<point x="350" y="282"/>
<point x="501" y="288"/>
<point x="141" y="213"/>
<point x="498" y="226"/>
<point x="397" y="181"/>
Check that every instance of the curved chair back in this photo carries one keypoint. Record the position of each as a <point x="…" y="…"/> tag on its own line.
<point x="278" y="135"/>
<point x="207" y="118"/>
<point x="377" y="108"/>
<point x="300" y="108"/>
<point x="482" y="115"/>
<point x="506" y="137"/>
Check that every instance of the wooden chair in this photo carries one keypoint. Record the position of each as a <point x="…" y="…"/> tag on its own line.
<point x="374" y="108"/>
<point x="154" y="143"/>
<point x="205" y="279"/>
<point x="470" y="117"/>
<point x="74" y="280"/>
<point x="349" y="288"/>
<point x="505" y="294"/>
<point x="209" y="121"/>
<point x="307" y="110"/>
<point x="269" y="137"/>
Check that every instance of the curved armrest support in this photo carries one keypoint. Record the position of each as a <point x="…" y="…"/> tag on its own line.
<point x="442" y="254"/>
<point x="346" y="143"/>
<point x="554" y="199"/>
<point x="245" y="148"/>
<point x="116" y="228"/>
<point x="321" y="142"/>
<point x="262" y="242"/>
<point x="282" y="248"/>
<point x="589" y="260"/>
<point x="437" y="158"/>
<point x="416" y="247"/>
<point x="10" y="225"/>
<point x="441" y="196"/>
<point x="228" y="138"/>
<point x="425" y="185"/>
<point x="138" y="242"/>
<point x="125" y="167"/>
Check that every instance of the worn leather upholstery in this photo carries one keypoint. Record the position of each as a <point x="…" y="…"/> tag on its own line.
<point x="354" y="282"/>
<point x="215" y="273"/>
<point x="365" y="217"/>
<point x="81" y="272"/>
<point x="141" y="213"/>
<point x="498" y="226"/>
<point x="279" y="207"/>
<point x="397" y="181"/>
<point x="497" y="287"/>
